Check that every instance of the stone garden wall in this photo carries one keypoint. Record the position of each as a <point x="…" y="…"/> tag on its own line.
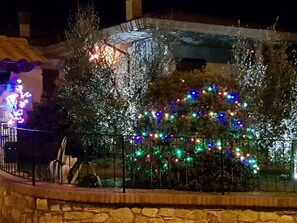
<point x="54" y="203"/>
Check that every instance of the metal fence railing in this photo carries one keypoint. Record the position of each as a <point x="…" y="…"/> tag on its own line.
<point x="153" y="161"/>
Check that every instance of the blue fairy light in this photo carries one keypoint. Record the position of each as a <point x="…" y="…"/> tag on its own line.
<point x="137" y="139"/>
<point x="238" y="122"/>
<point x="172" y="107"/>
<point x="158" y="115"/>
<point x="221" y="116"/>
<point x="193" y="94"/>
<point x="166" y="136"/>
<point x="210" y="144"/>
<point x="232" y="97"/>
<point x="8" y="87"/>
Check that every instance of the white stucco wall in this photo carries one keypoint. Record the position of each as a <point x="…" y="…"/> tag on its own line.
<point x="32" y="82"/>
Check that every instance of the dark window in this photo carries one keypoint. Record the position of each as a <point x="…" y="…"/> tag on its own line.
<point x="189" y="64"/>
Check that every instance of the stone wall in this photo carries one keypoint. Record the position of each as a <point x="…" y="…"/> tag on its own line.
<point x="20" y="202"/>
<point x="16" y="207"/>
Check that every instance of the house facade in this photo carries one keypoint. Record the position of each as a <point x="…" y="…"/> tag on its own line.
<point x="19" y="71"/>
<point x="202" y="42"/>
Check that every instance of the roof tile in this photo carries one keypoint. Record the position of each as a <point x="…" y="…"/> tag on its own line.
<point x="15" y="49"/>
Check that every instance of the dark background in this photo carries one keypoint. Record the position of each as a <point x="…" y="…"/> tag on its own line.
<point x="55" y="13"/>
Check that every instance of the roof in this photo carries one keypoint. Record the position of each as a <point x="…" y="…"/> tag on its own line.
<point x="206" y="33"/>
<point x="17" y="55"/>
<point x="15" y="49"/>
<point x="135" y="30"/>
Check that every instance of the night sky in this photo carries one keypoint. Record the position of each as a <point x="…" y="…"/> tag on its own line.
<point x="55" y="13"/>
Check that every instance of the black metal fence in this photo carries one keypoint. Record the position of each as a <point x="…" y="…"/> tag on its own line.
<point x="151" y="161"/>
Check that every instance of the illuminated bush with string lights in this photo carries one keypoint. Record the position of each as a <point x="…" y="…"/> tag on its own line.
<point x="17" y="100"/>
<point x="198" y="142"/>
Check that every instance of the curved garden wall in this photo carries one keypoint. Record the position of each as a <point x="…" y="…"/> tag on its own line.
<point x="45" y="202"/>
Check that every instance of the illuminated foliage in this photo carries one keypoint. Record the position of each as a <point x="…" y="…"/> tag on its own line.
<point x="88" y="90"/>
<point x="267" y="79"/>
<point x="104" y="86"/>
<point x="17" y="100"/>
<point x="189" y="143"/>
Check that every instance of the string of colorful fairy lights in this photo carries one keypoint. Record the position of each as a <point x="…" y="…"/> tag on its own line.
<point x="195" y="145"/>
<point x="17" y="101"/>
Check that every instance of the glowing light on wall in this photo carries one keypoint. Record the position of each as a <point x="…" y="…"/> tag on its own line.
<point x="105" y="55"/>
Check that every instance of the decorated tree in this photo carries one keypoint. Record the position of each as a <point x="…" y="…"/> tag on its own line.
<point x="87" y="90"/>
<point x="104" y="83"/>
<point x="16" y="102"/>
<point x="267" y="79"/>
<point x="147" y="58"/>
<point x="194" y="140"/>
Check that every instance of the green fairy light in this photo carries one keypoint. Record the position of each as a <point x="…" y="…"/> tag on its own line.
<point x="178" y="152"/>
<point x="156" y="152"/>
<point x="189" y="159"/>
<point x="165" y="166"/>
<point x="209" y="89"/>
<point x="218" y="143"/>
<point x="252" y="161"/>
<point x="198" y="148"/>
<point x="138" y="152"/>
